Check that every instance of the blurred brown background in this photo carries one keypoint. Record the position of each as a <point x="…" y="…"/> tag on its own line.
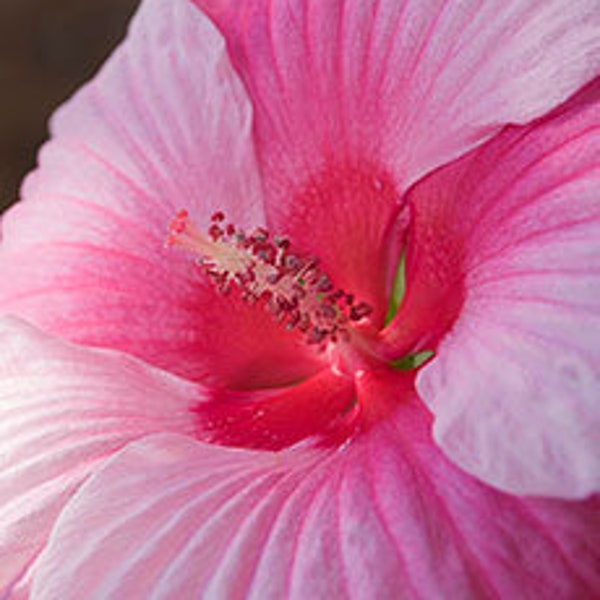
<point x="47" y="49"/>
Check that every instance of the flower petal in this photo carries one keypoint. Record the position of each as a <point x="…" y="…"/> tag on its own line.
<point x="276" y="418"/>
<point x="384" y="516"/>
<point x="356" y="100"/>
<point x="513" y="233"/>
<point x="405" y="85"/>
<point x="165" y="124"/>
<point x="63" y="409"/>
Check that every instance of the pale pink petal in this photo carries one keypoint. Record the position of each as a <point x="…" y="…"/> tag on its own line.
<point x="21" y="590"/>
<point x="397" y="87"/>
<point x="384" y="516"/>
<point x="509" y="238"/>
<point x="164" y="125"/>
<point x="63" y="409"/>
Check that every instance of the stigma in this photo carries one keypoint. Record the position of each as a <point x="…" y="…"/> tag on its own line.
<point x="266" y="270"/>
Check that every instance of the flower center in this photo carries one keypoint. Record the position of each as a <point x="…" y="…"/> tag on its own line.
<point x="266" y="270"/>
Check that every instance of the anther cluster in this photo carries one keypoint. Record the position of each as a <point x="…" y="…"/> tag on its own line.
<point x="265" y="270"/>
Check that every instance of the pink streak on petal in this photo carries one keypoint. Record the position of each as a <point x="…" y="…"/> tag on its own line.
<point x="165" y="124"/>
<point x="64" y="409"/>
<point x="386" y="515"/>
<point x="516" y="381"/>
<point x="406" y="85"/>
<point x="21" y="588"/>
<point x="274" y="419"/>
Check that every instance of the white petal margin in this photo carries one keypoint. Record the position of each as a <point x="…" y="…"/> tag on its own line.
<point x="64" y="409"/>
<point x="515" y="387"/>
<point x="385" y="516"/>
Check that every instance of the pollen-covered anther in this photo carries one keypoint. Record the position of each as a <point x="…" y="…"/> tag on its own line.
<point x="292" y="287"/>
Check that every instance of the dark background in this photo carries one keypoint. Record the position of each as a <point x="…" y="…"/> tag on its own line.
<point x="48" y="48"/>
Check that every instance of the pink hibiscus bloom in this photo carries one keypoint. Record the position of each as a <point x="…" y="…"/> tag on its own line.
<point x="161" y="439"/>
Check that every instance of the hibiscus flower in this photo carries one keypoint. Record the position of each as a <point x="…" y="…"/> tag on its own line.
<point x="415" y="415"/>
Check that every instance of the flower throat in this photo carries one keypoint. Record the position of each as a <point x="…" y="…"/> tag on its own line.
<point x="265" y="270"/>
